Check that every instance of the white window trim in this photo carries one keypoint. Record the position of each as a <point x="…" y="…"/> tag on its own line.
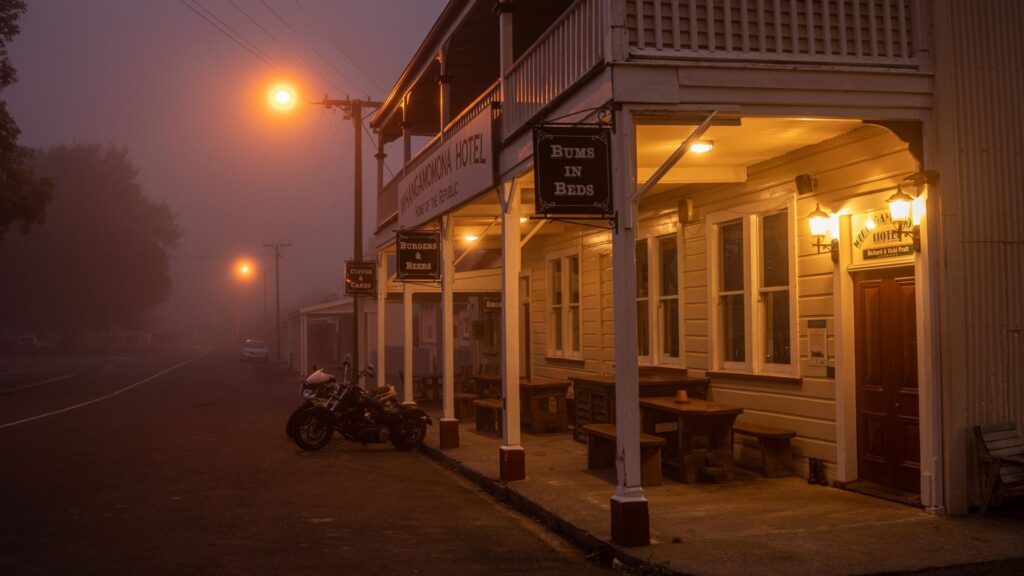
<point x="753" y="310"/>
<point x="563" y="256"/>
<point x="654" y="300"/>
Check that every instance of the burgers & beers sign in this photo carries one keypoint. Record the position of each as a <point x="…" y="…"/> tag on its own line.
<point x="418" y="255"/>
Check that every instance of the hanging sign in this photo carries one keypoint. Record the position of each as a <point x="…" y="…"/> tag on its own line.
<point x="360" y="278"/>
<point x="451" y="172"/>
<point x="875" y="238"/>
<point x="492" y="303"/>
<point x="573" y="170"/>
<point x="419" y="255"/>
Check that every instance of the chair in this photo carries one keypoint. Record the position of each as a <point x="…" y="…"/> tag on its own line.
<point x="1001" y="455"/>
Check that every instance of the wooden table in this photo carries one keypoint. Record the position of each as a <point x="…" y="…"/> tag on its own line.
<point x="595" y="395"/>
<point x="701" y="445"/>
<point x="429" y="386"/>
<point x="543" y="406"/>
<point x="487" y="385"/>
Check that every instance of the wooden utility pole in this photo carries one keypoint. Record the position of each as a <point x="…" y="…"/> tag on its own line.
<point x="277" y="294"/>
<point x="353" y="110"/>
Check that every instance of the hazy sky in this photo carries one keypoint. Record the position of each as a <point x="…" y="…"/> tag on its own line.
<point x="188" y="104"/>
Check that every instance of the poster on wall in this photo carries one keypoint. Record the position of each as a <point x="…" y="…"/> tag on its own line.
<point x="875" y="239"/>
<point x="817" y="343"/>
<point x="418" y="256"/>
<point x="360" y="278"/>
<point x="492" y="303"/>
<point x="573" y="170"/>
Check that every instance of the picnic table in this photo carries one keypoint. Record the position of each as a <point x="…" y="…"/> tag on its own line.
<point x="700" y="446"/>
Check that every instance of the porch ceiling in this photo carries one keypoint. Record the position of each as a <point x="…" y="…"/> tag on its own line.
<point x="735" y="147"/>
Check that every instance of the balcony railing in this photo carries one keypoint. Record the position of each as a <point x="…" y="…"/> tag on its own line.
<point x="387" y="197"/>
<point x="847" y="32"/>
<point x="564" y="54"/>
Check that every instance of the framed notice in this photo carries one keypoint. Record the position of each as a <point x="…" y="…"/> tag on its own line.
<point x="817" y="343"/>
<point x="573" y="170"/>
<point x="418" y="256"/>
<point x="360" y="278"/>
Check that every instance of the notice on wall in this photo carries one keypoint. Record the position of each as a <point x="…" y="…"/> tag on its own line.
<point x="492" y="303"/>
<point x="573" y="170"/>
<point x="452" y="172"/>
<point x="360" y="278"/>
<point x="418" y="255"/>
<point x="817" y="343"/>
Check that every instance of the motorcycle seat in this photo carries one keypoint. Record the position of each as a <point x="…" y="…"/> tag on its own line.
<point x="378" y="390"/>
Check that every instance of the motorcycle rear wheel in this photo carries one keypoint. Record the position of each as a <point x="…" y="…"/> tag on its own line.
<point x="313" y="429"/>
<point x="410" y="434"/>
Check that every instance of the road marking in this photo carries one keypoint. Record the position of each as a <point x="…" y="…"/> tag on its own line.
<point x="50" y="381"/>
<point x="106" y="396"/>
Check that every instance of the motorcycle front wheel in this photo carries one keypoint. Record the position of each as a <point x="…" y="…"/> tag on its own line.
<point x="293" y="420"/>
<point x="409" y="434"/>
<point x="313" y="429"/>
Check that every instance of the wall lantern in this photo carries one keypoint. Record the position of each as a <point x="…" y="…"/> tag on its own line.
<point x="905" y="212"/>
<point x="821" y="225"/>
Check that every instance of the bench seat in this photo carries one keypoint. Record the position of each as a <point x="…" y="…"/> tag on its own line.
<point x="601" y="446"/>
<point x="776" y="456"/>
<point x="489" y="413"/>
<point x="464" y="411"/>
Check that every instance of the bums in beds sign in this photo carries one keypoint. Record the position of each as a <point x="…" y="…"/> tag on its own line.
<point x="419" y="255"/>
<point x="360" y="278"/>
<point x="573" y="170"/>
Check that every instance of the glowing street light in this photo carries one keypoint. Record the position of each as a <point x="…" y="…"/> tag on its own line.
<point x="281" y="97"/>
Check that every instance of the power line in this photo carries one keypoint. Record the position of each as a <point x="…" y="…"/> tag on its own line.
<point x="281" y="44"/>
<point x="311" y="47"/>
<point x="325" y="34"/>
<point x="237" y="38"/>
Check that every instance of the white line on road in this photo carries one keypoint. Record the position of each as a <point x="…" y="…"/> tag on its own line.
<point x="105" y="397"/>
<point x="50" y="381"/>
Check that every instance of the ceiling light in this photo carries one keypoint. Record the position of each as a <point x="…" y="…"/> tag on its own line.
<point x="471" y="237"/>
<point x="702" y="147"/>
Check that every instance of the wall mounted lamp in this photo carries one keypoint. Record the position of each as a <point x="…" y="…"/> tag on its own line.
<point x="821" y="225"/>
<point x="905" y="211"/>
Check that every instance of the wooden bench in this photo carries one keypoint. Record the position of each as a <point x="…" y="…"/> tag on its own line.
<point x="464" y="411"/>
<point x="776" y="458"/>
<point x="489" y="413"/>
<point x="601" y="446"/>
<point x="1001" y="455"/>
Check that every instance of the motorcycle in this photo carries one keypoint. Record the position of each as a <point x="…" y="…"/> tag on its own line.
<point x="317" y="388"/>
<point x="359" y="415"/>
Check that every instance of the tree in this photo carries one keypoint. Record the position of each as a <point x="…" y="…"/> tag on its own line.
<point x="23" y="197"/>
<point x="100" y="259"/>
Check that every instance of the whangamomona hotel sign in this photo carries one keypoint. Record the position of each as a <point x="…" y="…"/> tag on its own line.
<point x="454" y="173"/>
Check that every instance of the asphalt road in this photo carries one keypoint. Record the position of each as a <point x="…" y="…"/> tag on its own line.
<point x="177" y="463"/>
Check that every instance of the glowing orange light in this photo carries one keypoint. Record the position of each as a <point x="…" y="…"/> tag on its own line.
<point x="244" y="270"/>
<point x="282" y="97"/>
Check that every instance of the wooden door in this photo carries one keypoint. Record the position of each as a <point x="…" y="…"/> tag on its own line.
<point x="888" y="437"/>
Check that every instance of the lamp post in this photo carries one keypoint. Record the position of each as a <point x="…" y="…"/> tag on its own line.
<point x="353" y="109"/>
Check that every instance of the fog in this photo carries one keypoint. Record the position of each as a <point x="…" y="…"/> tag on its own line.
<point x="189" y="105"/>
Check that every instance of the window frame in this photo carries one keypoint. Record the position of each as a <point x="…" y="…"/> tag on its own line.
<point x="564" y="258"/>
<point x="655" y="298"/>
<point x="754" y="304"/>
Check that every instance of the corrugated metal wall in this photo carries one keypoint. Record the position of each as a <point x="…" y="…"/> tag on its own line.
<point x="986" y="97"/>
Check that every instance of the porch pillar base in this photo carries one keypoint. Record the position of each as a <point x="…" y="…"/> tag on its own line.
<point x="449" y="433"/>
<point x="630" y="522"/>
<point x="512" y="463"/>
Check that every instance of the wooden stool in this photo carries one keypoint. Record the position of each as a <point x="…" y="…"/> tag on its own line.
<point x="601" y="440"/>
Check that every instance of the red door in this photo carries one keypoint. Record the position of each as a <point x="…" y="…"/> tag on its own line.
<point x="888" y="437"/>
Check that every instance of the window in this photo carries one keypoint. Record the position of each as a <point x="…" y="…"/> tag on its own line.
<point x="565" y="322"/>
<point x="657" y="301"/>
<point x="753" y="278"/>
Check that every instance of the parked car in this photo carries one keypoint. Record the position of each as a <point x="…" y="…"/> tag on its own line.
<point x="28" y="345"/>
<point x="255" y="350"/>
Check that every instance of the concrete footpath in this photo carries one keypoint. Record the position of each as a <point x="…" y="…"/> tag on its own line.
<point x="751" y="525"/>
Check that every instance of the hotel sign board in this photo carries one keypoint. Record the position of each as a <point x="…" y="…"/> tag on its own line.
<point x="573" y="170"/>
<point x="454" y="172"/>
<point x="875" y="239"/>
<point x="360" y="278"/>
<point x="419" y="256"/>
